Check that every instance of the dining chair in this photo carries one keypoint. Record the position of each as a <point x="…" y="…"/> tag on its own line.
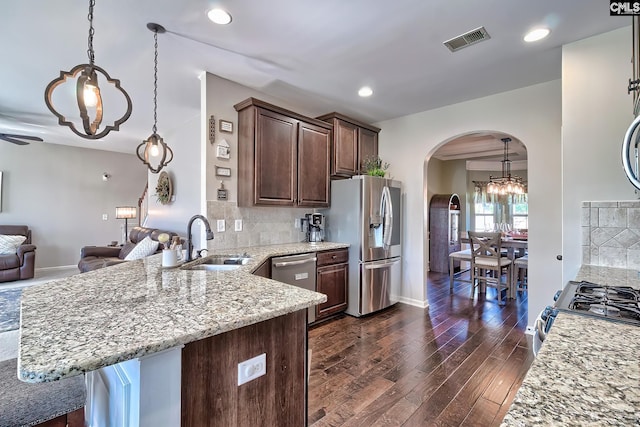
<point x="463" y="255"/>
<point x="520" y="270"/>
<point x="486" y="257"/>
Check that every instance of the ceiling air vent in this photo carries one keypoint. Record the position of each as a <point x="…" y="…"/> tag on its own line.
<point x="467" y="39"/>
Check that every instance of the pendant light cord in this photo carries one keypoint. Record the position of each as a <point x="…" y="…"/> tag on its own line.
<point x="90" y="52"/>
<point x="155" y="83"/>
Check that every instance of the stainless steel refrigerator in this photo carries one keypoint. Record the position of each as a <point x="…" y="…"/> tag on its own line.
<point x="366" y="212"/>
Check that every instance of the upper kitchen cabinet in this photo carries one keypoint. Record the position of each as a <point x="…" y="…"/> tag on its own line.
<point x="353" y="142"/>
<point x="283" y="157"/>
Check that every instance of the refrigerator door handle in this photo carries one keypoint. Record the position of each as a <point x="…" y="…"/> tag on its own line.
<point x="381" y="265"/>
<point x="386" y="207"/>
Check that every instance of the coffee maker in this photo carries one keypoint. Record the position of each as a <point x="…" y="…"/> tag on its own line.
<point x="315" y="227"/>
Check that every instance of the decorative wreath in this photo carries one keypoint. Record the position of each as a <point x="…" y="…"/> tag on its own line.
<point x="164" y="189"/>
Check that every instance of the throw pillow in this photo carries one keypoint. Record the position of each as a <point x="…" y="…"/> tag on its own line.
<point x="9" y="244"/>
<point x="143" y="249"/>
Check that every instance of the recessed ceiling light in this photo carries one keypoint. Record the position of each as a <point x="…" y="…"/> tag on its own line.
<point x="537" y="34"/>
<point x="365" y="91"/>
<point x="219" y="16"/>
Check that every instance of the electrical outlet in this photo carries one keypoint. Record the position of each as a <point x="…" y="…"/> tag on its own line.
<point x="238" y="225"/>
<point x="220" y="225"/>
<point x="105" y="217"/>
<point x="251" y="369"/>
<point x="296" y="223"/>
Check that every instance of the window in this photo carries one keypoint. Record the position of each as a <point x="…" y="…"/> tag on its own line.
<point x="484" y="217"/>
<point x="520" y="214"/>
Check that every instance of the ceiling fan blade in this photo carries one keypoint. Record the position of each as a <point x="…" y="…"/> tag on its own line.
<point x="19" y="139"/>
<point x="27" y="137"/>
<point x="15" y="141"/>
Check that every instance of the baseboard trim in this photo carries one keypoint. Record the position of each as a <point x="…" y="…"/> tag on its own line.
<point x="414" y="302"/>
<point x="60" y="267"/>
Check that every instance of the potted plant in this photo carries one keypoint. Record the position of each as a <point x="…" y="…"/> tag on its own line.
<point x="374" y="166"/>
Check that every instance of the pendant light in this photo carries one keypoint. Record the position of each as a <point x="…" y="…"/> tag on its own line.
<point x="506" y="184"/>
<point x="154" y="149"/>
<point x="88" y="95"/>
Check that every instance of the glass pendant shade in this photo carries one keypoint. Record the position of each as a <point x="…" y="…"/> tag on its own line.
<point x="506" y="184"/>
<point x="88" y="95"/>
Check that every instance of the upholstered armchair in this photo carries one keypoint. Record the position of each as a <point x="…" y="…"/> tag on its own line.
<point x="17" y="260"/>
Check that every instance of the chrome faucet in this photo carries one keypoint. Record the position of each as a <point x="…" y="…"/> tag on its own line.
<point x="190" y="238"/>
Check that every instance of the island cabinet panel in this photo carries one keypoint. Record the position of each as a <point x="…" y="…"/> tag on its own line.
<point x="283" y="157"/>
<point x="211" y="396"/>
<point x="353" y="142"/>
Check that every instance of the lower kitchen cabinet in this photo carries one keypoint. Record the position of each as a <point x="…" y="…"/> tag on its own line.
<point x="332" y="275"/>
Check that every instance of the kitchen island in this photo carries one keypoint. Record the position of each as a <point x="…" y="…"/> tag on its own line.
<point x="139" y="310"/>
<point x="587" y="372"/>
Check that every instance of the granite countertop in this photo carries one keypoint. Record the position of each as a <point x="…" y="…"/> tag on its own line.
<point x="586" y="374"/>
<point x="103" y="317"/>
<point x="609" y="276"/>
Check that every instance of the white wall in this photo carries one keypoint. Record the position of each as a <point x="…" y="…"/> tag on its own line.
<point x="58" y="191"/>
<point x="531" y="114"/>
<point x="187" y="175"/>
<point x="596" y="112"/>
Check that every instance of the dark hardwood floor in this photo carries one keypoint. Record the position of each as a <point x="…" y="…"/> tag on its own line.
<point x="457" y="363"/>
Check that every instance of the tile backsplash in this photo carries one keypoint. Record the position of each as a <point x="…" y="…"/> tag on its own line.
<point x="260" y="226"/>
<point x="611" y="234"/>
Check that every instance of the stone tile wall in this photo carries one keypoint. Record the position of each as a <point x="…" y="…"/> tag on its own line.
<point x="611" y="234"/>
<point x="260" y="226"/>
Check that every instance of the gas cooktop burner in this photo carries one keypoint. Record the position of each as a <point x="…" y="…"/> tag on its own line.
<point x="612" y="302"/>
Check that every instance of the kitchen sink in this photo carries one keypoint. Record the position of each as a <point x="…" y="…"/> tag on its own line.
<point x="221" y="262"/>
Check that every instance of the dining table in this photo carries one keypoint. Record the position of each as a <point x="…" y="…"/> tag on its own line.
<point x="516" y="247"/>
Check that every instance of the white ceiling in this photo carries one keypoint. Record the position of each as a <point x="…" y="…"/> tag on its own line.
<point x="313" y="53"/>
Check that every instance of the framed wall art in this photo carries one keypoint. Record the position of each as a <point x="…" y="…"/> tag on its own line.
<point x="226" y="126"/>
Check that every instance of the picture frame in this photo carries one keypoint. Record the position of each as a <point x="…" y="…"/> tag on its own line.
<point x="225" y="126"/>
<point x="220" y="171"/>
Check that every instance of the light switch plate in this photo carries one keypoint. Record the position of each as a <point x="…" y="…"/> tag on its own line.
<point x="220" y="225"/>
<point x="105" y="217"/>
<point x="251" y="369"/>
<point x="238" y="225"/>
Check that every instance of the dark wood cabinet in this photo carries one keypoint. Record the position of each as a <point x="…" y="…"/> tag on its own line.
<point x="332" y="276"/>
<point x="264" y="269"/>
<point x="444" y="235"/>
<point x="283" y="157"/>
<point x="314" y="144"/>
<point x="353" y="142"/>
<point x="367" y="146"/>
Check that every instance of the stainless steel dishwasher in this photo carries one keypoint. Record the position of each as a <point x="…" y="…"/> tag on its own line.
<point x="297" y="270"/>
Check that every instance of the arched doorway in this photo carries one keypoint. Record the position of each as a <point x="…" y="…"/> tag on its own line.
<point x="464" y="165"/>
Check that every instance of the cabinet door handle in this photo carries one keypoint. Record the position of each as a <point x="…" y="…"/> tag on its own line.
<point x="334" y="256"/>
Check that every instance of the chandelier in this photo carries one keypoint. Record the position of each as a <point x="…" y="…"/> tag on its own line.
<point x="87" y="93"/>
<point x="506" y="184"/>
<point x="153" y="151"/>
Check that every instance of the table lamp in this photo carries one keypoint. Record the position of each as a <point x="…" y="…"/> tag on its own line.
<point x="126" y="213"/>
